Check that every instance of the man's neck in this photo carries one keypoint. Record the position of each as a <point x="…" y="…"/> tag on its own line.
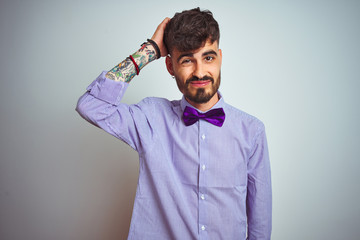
<point x="205" y="106"/>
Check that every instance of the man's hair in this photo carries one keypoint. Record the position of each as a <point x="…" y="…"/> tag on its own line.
<point x="190" y="29"/>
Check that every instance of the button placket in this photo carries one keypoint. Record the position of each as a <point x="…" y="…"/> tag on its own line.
<point x="203" y="157"/>
<point x="203" y="167"/>
<point x="203" y="137"/>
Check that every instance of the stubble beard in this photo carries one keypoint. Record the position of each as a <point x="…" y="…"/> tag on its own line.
<point x="202" y="95"/>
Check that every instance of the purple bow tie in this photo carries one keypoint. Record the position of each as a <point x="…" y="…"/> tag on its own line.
<point x="215" y="116"/>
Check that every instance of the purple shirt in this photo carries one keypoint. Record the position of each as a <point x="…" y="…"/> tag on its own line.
<point x="195" y="182"/>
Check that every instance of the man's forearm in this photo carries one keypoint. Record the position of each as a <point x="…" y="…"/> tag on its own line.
<point x="126" y="70"/>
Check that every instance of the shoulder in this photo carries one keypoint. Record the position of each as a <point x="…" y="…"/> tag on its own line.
<point x="242" y="120"/>
<point x="159" y="106"/>
<point x="157" y="102"/>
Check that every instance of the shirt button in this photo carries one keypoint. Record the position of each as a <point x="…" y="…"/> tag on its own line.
<point x="203" y="137"/>
<point x="203" y="167"/>
<point x="203" y="228"/>
<point x="202" y="196"/>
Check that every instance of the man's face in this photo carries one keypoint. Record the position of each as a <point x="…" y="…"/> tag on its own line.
<point x="197" y="72"/>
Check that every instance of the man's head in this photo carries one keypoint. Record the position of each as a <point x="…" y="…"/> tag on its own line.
<point x="192" y="40"/>
<point x="190" y="29"/>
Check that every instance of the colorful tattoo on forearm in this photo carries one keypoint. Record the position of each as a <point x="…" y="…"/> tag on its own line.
<point x="126" y="71"/>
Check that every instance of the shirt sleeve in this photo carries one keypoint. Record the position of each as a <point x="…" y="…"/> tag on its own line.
<point x="101" y="106"/>
<point x="259" y="194"/>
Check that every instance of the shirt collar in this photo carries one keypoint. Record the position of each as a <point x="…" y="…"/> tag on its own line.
<point x="219" y="104"/>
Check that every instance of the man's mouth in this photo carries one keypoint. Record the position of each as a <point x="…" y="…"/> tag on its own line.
<point x="201" y="83"/>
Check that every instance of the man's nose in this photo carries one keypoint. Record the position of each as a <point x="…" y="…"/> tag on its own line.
<point x="199" y="70"/>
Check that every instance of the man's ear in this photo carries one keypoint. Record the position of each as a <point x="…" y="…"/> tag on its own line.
<point x="220" y="53"/>
<point x="169" y="65"/>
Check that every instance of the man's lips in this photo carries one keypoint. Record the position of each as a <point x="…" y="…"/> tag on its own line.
<point x="201" y="83"/>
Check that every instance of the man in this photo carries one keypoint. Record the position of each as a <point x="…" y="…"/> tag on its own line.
<point x="204" y="166"/>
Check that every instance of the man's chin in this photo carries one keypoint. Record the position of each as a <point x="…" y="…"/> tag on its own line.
<point x="200" y="96"/>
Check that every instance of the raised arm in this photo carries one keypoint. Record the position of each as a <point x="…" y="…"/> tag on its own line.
<point x="101" y="106"/>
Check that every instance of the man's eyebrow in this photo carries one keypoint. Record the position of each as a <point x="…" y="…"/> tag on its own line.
<point x="185" y="55"/>
<point x="211" y="52"/>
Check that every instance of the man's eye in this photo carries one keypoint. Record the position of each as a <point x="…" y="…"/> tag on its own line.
<point x="209" y="58"/>
<point x="186" y="61"/>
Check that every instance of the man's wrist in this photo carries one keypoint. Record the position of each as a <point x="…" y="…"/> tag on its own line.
<point x="132" y="65"/>
<point x="145" y="55"/>
<point x="156" y="47"/>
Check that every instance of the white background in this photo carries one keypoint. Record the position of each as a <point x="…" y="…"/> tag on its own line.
<point x="293" y="64"/>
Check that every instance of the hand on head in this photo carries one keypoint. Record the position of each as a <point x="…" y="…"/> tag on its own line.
<point x="159" y="36"/>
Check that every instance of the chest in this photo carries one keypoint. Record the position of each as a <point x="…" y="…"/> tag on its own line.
<point x="209" y="156"/>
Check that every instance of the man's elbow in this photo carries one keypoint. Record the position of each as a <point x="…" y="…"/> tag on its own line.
<point x="83" y="108"/>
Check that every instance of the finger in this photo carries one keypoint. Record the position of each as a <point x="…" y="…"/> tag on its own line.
<point x="161" y="27"/>
<point x="159" y="35"/>
<point x="164" y="22"/>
